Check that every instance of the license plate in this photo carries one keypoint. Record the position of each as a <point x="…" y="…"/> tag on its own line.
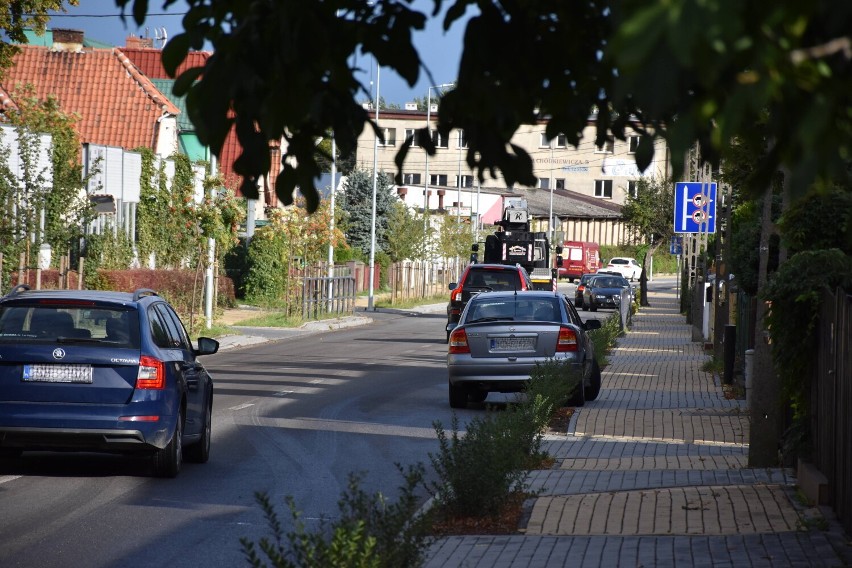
<point x="58" y="373"/>
<point x="512" y="343"/>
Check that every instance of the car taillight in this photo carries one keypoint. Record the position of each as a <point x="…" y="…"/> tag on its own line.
<point x="567" y="340"/>
<point x="458" y="342"/>
<point x="152" y="374"/>
<point x="454" y="295"/>
<point x="581" y="287"/>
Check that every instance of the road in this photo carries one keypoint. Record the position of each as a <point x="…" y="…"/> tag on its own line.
<point x="293" y="417"/>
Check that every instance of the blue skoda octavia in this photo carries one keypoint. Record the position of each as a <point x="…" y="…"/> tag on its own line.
<point x="84" y="370"/>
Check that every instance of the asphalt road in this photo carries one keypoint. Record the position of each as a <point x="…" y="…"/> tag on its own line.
<point x="291" y="418"/>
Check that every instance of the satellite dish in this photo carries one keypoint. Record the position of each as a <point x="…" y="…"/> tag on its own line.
<point x="160" y="37"/>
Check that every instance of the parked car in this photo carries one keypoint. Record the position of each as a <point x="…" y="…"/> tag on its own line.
<point x="605" y="291"/>
<point x="86" y="370"/>
<point x="479" y="278"/>
<point x="581" y="285"/>
<point x="502" y="335"/>
<point x="627" y="267"/>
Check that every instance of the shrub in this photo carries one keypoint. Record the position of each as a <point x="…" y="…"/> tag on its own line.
<point x="369" y="533"/>
<point x="604" y="338"/>
<point x="478" y="471"/>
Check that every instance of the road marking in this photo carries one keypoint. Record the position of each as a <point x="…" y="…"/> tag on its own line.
<point x="5" y="478"/>
<point x="241" y="406"/>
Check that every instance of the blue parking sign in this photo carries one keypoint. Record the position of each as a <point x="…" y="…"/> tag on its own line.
<point x="695" y="207"/>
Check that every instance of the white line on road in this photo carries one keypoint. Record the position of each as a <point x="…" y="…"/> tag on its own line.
<point x="241" y="406"/>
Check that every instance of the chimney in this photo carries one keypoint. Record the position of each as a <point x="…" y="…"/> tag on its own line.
<point x="68" y="40"/>
<point x="410" y="106"/>
<point x="134" y="42"/>
<point x="441" y="193"/>
<point x="401" y="191"/>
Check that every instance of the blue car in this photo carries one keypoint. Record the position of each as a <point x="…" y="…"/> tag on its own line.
<point x="84" y="370"/>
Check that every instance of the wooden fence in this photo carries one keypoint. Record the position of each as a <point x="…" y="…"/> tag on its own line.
<point x="417" y="280"/>
<point x="831" y="402"/>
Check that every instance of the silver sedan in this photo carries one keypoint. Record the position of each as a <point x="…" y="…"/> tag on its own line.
<point x="502" y="335"/>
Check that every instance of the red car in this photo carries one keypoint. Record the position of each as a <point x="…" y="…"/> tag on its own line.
<point x="478" y="278"/>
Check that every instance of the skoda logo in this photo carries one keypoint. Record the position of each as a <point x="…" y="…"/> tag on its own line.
<point x="512" y="328"/>
<point x="58" y="353"/>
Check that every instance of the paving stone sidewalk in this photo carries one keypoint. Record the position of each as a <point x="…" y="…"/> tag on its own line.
<point x="655" y="473"/>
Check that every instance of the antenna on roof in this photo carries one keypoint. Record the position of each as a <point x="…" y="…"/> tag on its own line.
<point x="161" y="37"/>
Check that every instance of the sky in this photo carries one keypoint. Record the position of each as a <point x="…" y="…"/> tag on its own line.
<point x="440" y="52"/>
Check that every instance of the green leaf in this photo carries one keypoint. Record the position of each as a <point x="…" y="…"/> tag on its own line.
<point x="175" y="52"/>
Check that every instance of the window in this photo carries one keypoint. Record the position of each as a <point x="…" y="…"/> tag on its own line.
<point x="603" y="188"/>
<point x="543" y="141"/>
<point x="466" y="181"/>
<point x="437" y="179"/>
<point x="632" y="188"/>
<point x="438" y="140"/>
<point x="412" y="133"/>
<point x="559" y="183"/>
<point x="411" y="179"/>
<point x="544" y="183"/>
<point x="462" y="139"/>
<point x="158" y="328"/>
<point x="632" y="144"/>
<point x="561" y="141"/>
<point x="389" y="135"/>
<point x="607" y="148"/>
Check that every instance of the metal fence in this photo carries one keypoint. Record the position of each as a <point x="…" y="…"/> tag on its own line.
<point x="317" y="295"/>
<point x="831" y="402"/>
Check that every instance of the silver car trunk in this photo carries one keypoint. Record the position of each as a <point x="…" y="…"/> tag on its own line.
<point x="514" y="340"/>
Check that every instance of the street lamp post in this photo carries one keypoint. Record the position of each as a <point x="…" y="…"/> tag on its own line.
<point x="370" y="298"/>
<point x="550" y="219"/>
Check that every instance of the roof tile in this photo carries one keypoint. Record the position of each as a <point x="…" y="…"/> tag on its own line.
<point x="117" y="105"/>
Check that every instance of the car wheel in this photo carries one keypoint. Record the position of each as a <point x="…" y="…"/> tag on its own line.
<point x="200" y="452"/>
<point x="579" y="397"/>
<point x="458" y="397"/>
<point x="477" y="396"/>
<point x="167" y="461"/>
<point x="592" y="307"/>
<point x="593" y="390"/>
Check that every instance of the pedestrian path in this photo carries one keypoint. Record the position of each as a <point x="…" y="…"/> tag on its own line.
<point x="655" y="473"/>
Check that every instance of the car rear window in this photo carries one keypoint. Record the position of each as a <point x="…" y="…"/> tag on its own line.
<point x="52" y="322"/>
<point x="496" y="280"/>
<point x="618" y="261"/>
<point x="516" y="309"/>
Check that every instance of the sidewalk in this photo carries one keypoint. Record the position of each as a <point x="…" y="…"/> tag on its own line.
<point x="655" y="473"/>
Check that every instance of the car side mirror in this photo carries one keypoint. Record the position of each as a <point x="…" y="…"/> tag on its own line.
<point x="453" y="285"/>
<point x="592" y="324"/>
<point x="207" y="346"/>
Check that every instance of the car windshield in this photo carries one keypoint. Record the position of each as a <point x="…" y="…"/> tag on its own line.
<point x="515" y="309"/>
<point x="606" y="283"/>
<point x="58" y="323"/>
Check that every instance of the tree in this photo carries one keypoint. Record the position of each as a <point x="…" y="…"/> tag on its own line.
<point x="687" y="70"/>
<point x="19" y="15"/>
<point x="61" y="196"/>
<point x="650" y="213"/>
<point x="405" y="234"/>
<point x="454" y="237"/>
<point x="357" y="201"/>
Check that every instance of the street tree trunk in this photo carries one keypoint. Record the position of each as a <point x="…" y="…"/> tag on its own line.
<point x="766" y="412"/>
